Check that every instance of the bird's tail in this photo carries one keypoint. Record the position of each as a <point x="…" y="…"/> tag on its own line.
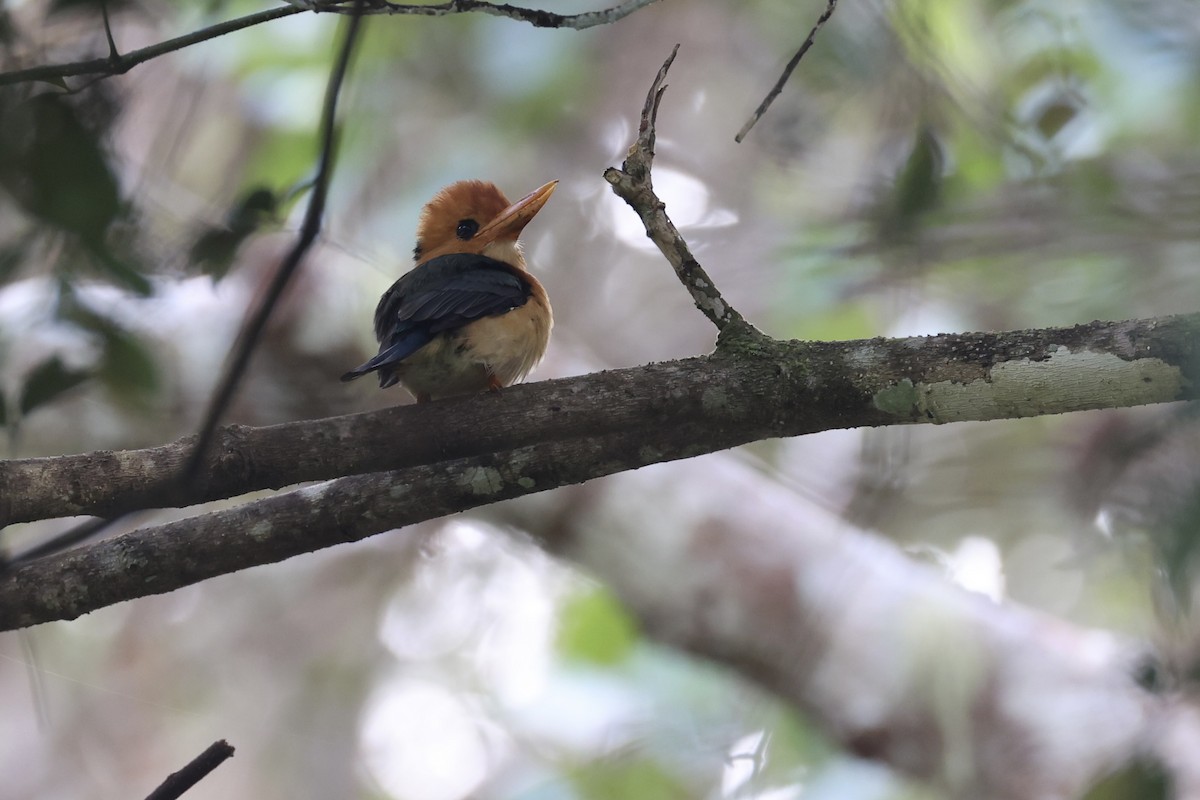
<point x="387" y="375"/>
<point x="389" y="357"/>
<point x="357" y="372"/>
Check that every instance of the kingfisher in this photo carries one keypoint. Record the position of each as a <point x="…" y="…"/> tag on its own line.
<point x="469" y="317"/>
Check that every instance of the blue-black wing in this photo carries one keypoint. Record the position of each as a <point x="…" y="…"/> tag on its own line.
<point x="436" y="297"/>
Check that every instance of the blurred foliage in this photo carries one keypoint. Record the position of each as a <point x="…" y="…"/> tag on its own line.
<point x="12" y="256"/>
<point x="94" y="9"/>
<point x="53" y="166"/>
<point x="48" y="380"/>
<point x="127" y="366"/>
<point x="215" y="248"/>
<point x="628" y="777"/>
<point x="123" y="363"/>
<point x="1142" y="780"/>
<point x="595" y="628"/>
<point x="917" y="190"/>
<point x="56" y="169"/>
<point x="1026" y="103"/>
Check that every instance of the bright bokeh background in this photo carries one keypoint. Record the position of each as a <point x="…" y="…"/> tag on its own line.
<point x="930" y="167"/>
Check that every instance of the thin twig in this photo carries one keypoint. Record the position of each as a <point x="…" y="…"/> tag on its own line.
<point x="179" y="782"/>
<point x="830" y="5"/>
<point x="68" y="538"/>
<point x="257" y="322"/>
<point x="113" y="53"/>
<point x="109" y="66"/>
<point x="632" y="183"/>
<point x="116" y="66"/>
<point x="535" y="17"/>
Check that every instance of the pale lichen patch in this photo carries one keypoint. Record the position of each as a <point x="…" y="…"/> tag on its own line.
<point x="315" y="491"/>
<point x="714" y="400"/>
<point x="1065" y="381"/>
<point x="648" y="454"/>
<point x="482" y="480"/>
<point x="261" y="530"/>
<point x="899" y="399"/>
<point x="713" y="304"/>
<point x="864" y="358"/>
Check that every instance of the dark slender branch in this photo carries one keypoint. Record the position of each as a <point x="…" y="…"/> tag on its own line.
<point x="126" y="62"/>
<point x="252" y="331"/>
<point x="67" y="539"/>
<point x="632" y="183"/>
<point x="115" y="66"/>
<point x="179" y="782"/>
<point x="113" y="53"/>
<point x="787" y="72"/>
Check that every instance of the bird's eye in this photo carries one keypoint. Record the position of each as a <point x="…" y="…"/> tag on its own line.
<point x="466" y="229"/>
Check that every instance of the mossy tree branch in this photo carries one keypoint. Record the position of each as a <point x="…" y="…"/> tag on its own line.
<point x="539" y="436"/>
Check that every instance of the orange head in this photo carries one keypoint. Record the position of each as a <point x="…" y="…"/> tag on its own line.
<point x="476" y="217"/>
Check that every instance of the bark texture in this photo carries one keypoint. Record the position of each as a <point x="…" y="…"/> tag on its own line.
<point x="751" y="388"/>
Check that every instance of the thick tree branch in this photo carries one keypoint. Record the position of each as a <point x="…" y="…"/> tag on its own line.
<point x="166" y="557"/>
<point x="119" y="64"/>
<point x="633" y="184"/>
<point x="764" y="389"/>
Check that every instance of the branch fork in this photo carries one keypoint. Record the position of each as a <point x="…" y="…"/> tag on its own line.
<point x="633" y="184"/>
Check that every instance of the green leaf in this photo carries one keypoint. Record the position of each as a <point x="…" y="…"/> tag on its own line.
<point x="8" y="31"/>
<point x="12" y="256"/>
<point x="1140" y="780"/>
<point x="792" y="748"/>
<point x="216" y="246"/>
<point x="1054" y="117"/>
<point x="595" y="628"/>
<point x="641" y="778"/>
<point x="54" y="166"/>
<point x="128" y="367"/>
<point x="918" y="188"/>
<point x="47" y="381"/>
<point x="121" y="270"/>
